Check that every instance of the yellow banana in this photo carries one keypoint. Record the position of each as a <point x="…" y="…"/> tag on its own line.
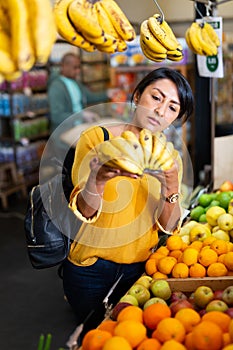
<point x="207" y="43"/>
<point x="166" y="40"/>
<point x="4" y="18"/>
<point x="106" y="151"/>
<point x="146" y="140"/>
<point x="189" y="43"/>
<point x="165" y="26"/>
<point x="121" y="45"/>
<point x="104" y="20"/>
<point x="194" y="33"/>
<point x="66" y="29"/>
<point x="107" y="49"/>
<point x="150" y="41"/>
<point x="22" y="49"/>
<point x="126" y="148"/>
<point x="132" y="138"/>
<point x="119" y="20"/>
<point x="212" y="33"/>
<point x="7" y="65"/>
<point x="1" y="78"/>
<point x="84" y="17"/>
<point x="13" y="76"/>
<point x="43" y="28"/>
<point x="159" y="143"/>
<point x="104" y="39"/>
<point x="151" y="55"/>
<point x="165" y="156"/>
<point x="167" y="165"/>
<point x="173" y="57"/>
<point x="126" y="165"/>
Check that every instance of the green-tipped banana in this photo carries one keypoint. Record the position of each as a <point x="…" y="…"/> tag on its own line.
<point x="159" y="144"/>
<point x="146" y="140"/>
<point x="165" y="39"/>
<point x="150" y="41"/>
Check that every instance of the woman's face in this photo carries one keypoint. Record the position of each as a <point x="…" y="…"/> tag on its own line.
<point x="158" y="106"/>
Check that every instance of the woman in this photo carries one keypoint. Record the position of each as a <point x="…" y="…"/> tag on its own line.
<point x="122" y="212"/>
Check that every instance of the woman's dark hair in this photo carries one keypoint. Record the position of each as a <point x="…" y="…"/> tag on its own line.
<point x="184" y="90"/>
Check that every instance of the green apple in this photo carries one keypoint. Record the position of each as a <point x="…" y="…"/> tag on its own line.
<point x="161" y="289"/>
<point x="202" y="296"/>
<point x="216" y="305"/>
<point x="127" y="298"/>
<point x="153" y="300"/>
<point x="145" y="281"/>
<point x="225" y="222"/>
<point x="220" y="234"/>
<point x="140" y="292"/>
<point x="213" y="213"/>
<point x="199" y="232"/>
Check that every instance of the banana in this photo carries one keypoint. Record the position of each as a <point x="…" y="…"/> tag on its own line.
<point x="150" y="41"/>
<point x="22" y="49"/>
<point x="66" y="29"/>
<point x="188" y="41"/>
<point x="159" y="143"/>
<point x="121" y="45"/>
<point x="127" y="149"/>
<point x="167" y="165"/>
<point x="103" y="40"/>
<point x="194" y="34"/>
<point x="208" y="42"/>
<point x="165" y="26"/>
<point x="104" y="20"/>
<point x="107" y="49"/>
<point x="13" y="76"/>
<point x="132" y="138"/>
<point x="84" y="18"/>
<point x="43" y="28"/>
<point x="119" y="20"/>
<point x="163" y="37"/>
<point x="151" y="55"/>
<point x="126" y="165"/>
<point x="146" y="140"/>
<point x="212" y="33"/>
<point x="4" y="18"/>
<point x="165" y="156"/>
<point x="7" y="65"/>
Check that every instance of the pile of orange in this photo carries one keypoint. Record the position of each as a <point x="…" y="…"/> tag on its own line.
<point x="212" y="257"/>
<point x="155" y="329"/>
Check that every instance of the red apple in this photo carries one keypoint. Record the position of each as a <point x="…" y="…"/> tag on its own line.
<point x="218" y="294"/>
<point x="117" y="308"/>
<point x="180" y="304"/>
<point x="216" y="305"/>
<point x="140" y="292"/>
<point x="229" y="312"/>
<point x="202" y="296"/>
<point x="227" y="295"/>
<point x="202" y="312"/>
<point x="178" y="296"/>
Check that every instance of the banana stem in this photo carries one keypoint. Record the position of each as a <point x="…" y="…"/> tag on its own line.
<point x="160" y="10"/>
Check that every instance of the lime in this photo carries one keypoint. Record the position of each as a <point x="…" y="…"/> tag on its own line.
<point x="197" y="212"/>
<point x="202" y="218"/>
<point x="224" y="199"/>
<point x="205" y="199"/>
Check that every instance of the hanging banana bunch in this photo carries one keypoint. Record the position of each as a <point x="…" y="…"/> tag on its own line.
<point x="93" y="24"/>
<point x="127" y="152"/>
<point x="202" y="39"/>
<point x="27" y="34"/>
<point x="158" y="41"/>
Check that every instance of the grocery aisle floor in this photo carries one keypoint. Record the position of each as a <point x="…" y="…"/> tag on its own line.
<point x="32" y="300"/>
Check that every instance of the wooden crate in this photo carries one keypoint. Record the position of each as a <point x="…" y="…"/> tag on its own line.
<point x="188" y="285"/>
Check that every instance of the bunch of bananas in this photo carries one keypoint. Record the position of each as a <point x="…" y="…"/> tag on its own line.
<point x="91" y="25"/>
<point x="157" y="40"/>
<point x="135" y="155"/>
<point x="202" y="39"/>
<point x="27" y="34"/>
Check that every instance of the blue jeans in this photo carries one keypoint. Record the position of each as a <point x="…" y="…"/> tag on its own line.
<point x="86" y="286"/>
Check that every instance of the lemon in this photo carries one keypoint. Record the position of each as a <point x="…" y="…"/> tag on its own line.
<point x="197" y="212"/>
<point x="205" y="199"/>
<point x="199" y="233"/>
<point x="213" y="213"/>
<point x="224" y="199"/>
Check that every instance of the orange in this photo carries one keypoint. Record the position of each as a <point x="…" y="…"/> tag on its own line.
<point x="130" y="312"/>
<point x="162" y="250"/>
<point x="207" y="335"/>
<point x="95" y="339"/>
<point x="228" y="260"/>
<point x="149" y="344"/>
<point x="166" y="264"/>
<point x="196" y="245"/>
<point x="154" y="313"/>
<point x="221" y="258"/>
<point x="190" y="256"/>
<point x="197" y="270"/>
<point x="220" y="318"/>
<point x="228" y="347"/>
<point x="188" y="342"/>
<point x="226" y="339"/>
<point x="188" y="317"/>
<point x="219" y="246"/>
<point x="116" y="343"/>
<point x="177" y="253"/>
<point x="217" y="269"/>
<point x="208" y="240"/>
<point x="172" y="345"/>
<point x="207" y="257"/>
<point x="169" y="328"/>
<point x="174" y="242"/>
<point x="231" y="330"/>
<point x="150" y="266"/>
<point x="184" y="246"/>
<point x="159" y="275"/>
<point x="108" y="325"/>
<point x="156" y="256"/>
<point x="180" y="270"/>
<point x="133" y="331"/>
